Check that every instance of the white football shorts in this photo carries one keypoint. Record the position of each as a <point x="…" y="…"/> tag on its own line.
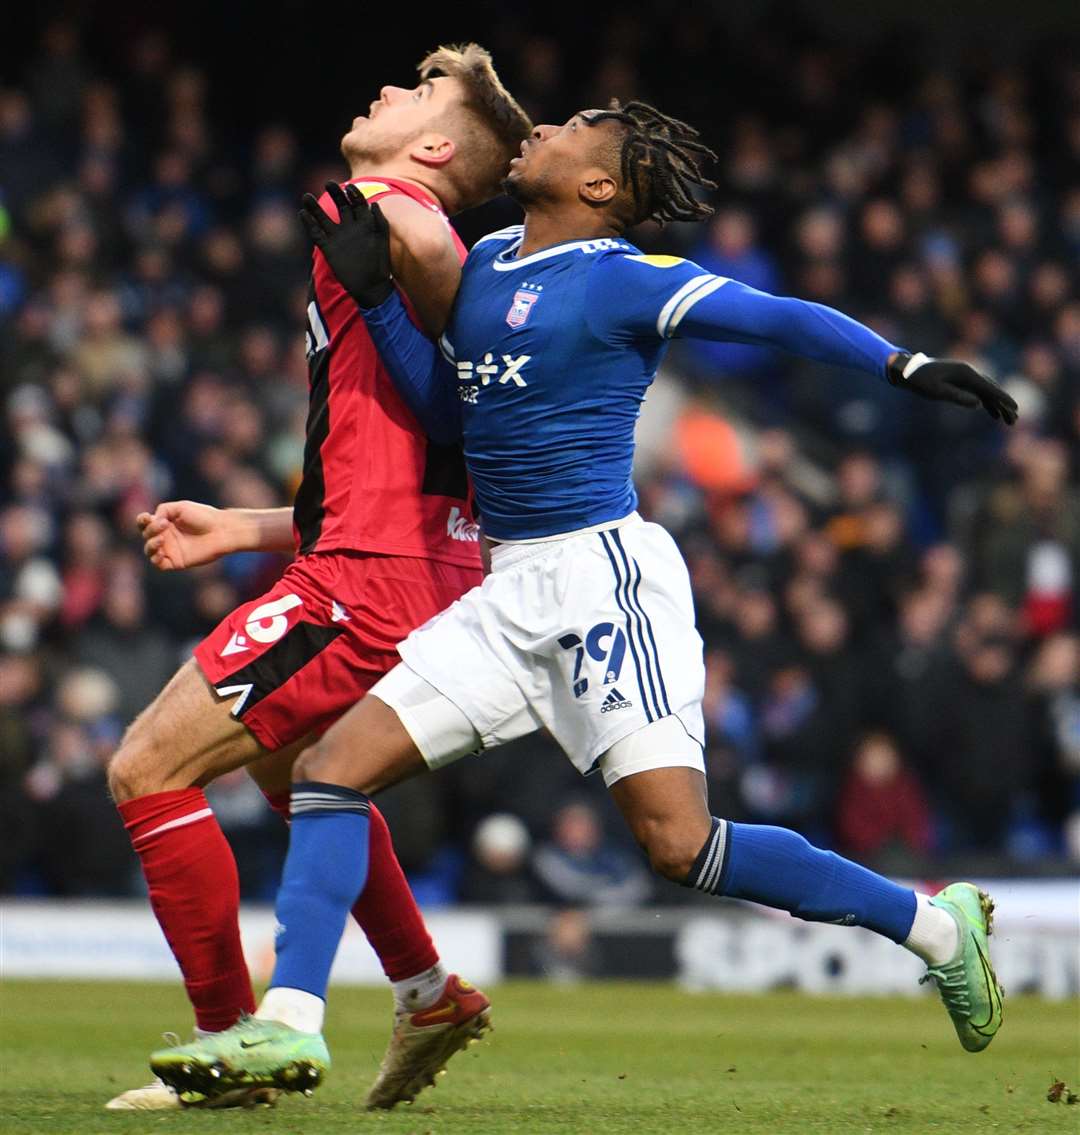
<point x="591" y="636"/>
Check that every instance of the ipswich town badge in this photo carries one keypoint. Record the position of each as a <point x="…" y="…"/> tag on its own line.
<point x="523" y="303"/>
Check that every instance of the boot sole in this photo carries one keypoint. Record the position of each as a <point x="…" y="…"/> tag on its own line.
<point x="214" y="1078"/>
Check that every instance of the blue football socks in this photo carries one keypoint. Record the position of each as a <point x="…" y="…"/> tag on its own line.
<point x="325" y="872"/>
<point x="778" y="868"/>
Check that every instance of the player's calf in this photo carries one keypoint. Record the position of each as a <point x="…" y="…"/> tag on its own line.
<point x="183" y="740"/>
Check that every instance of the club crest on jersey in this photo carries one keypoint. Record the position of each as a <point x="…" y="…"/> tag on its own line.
<point x="520" y="309"/>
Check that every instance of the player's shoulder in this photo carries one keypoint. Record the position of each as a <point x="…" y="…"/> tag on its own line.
<point x="509" y="235"/>
<point x="502" y="240"/>
<point x="630" y="259"/>
<point x="372" y="188"/>
<point x="642" y="293"/>
<point x="400" y="200"/>
<point x="624" y="266"/>
<point x="375" y="187"/>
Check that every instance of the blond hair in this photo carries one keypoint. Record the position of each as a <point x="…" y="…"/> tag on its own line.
<point x="494" y="124"/>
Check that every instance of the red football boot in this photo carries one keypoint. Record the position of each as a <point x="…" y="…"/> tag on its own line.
<point x="422" y="1042"/>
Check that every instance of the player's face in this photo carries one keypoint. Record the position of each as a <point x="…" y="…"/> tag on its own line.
<point x="555" y="160"/>
<point x="398" y="116"/>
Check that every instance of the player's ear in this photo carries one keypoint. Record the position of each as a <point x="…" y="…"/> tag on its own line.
<point x="433" y="150"/>
<point x="597" y="187"/>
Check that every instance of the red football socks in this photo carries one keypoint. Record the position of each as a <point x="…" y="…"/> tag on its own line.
<point x="386" y="910"/>
<point x="195" y="894"/>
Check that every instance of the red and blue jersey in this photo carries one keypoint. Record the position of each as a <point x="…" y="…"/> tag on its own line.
<point x="372" y="481"/>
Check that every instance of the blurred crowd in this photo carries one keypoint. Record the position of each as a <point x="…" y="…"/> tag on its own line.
<point x="888" y="590"/>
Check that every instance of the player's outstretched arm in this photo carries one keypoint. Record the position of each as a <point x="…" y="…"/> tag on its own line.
<point x="184" y="534"/>
<point x="357" y="249"/>
<point x="664" y="296"/>
<point x="815" y="331"/>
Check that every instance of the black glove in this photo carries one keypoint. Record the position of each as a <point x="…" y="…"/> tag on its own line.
<point x="357" y="248"/>
<point x="949" y="380"/>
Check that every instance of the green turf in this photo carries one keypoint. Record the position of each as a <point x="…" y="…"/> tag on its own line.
<point x="601" y="1058"/>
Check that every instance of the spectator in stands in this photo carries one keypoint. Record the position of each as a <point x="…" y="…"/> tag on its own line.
<point x="30" y="586"/>
<point x="499" y="870"/>
<point x="578" y="866"/>
<point x="1054" y="686"/>
<point x="567" y="953"/>
<point x="882" y="812"/>
<point x="1031" y="554"/>
<point x="120" y="642"/>
<point x="981" y="726"/>
<point x="80" y="848"/>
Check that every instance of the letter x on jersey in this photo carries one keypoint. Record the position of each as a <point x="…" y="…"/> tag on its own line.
<point x="472" y="376"/>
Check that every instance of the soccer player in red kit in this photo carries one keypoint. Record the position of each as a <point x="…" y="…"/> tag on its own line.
<point x="384" y="538"/>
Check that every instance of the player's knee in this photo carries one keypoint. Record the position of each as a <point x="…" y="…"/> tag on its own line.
<point x="144" y="762"/>
<point x="670" y="852"/>
<point x="312" y="763"/>
<point x="327" y="762"/>
<point x="132" y="770"/>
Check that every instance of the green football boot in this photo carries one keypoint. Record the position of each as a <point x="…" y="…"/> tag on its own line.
<point x="967" y="984"/>
<point x="253" y="1053"/>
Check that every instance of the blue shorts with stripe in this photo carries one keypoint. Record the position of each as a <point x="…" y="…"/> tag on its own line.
<point x="590" y="635"/>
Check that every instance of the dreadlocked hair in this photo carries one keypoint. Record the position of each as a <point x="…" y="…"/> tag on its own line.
<point x="660" y="161"/>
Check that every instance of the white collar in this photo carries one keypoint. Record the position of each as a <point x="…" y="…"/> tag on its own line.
<point x="504" y="261"/>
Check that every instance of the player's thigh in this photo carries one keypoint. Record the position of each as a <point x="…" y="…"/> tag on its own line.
<point x="185" y="737"/>
<point x="403" y="726"/>
<point x="368" y="749"/>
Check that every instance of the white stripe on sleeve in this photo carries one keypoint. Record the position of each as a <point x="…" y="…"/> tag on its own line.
<point x="684" y="300"/>
<point x="669" y="307"/>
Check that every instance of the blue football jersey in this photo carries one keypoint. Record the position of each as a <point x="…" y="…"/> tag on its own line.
<point x="548" y="357"/>
<point x="553" y="354"/>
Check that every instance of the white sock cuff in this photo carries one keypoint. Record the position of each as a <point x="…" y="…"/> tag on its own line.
<point x="934" y="934"/>
<point x="296" y="1008"/>
<point x="420" y="991"/>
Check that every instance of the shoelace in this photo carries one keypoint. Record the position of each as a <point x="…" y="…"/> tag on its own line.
<point x="951" y="984"/>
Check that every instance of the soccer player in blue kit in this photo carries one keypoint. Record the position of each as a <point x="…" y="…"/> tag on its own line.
<point x="585" y="624"/>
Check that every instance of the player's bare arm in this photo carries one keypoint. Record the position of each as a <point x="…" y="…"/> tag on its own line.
<point x="185" y="534"/>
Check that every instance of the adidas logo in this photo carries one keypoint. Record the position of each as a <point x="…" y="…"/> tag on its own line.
<point x="614" y="700"/>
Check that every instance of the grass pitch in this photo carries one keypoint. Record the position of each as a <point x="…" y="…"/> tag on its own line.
<point x="597" y="1058"/>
